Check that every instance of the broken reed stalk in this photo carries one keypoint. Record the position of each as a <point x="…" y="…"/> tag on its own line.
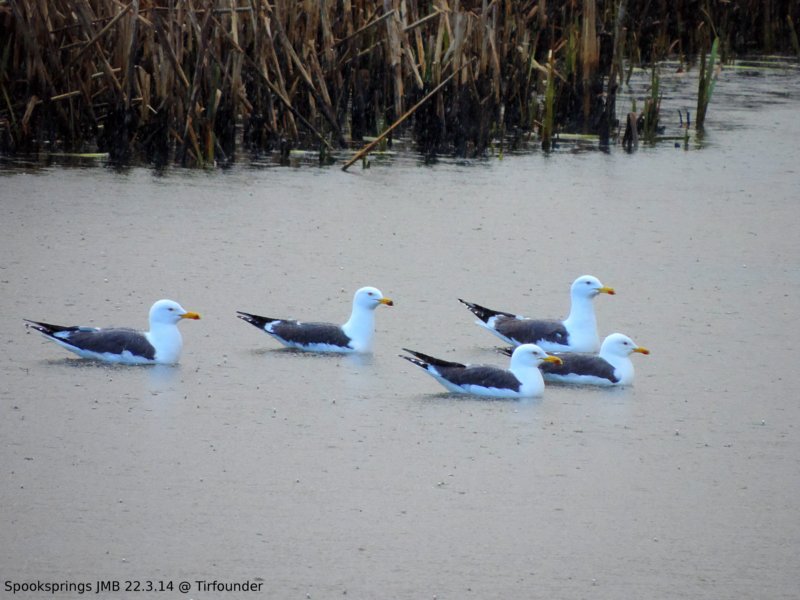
<point x="366" y="27"/>
<point x="100" y="34"/>
<point x="366" y="149"/>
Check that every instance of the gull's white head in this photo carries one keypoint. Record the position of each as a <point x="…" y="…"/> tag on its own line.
<point x="370" y="298"/>
<point x="169" y="312"/>
<point x="618" y="344"/>
<point x="588" y="286"/>
<point x="531" y="355"/>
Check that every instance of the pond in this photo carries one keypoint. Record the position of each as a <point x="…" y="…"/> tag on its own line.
<point x="324" y="476"/>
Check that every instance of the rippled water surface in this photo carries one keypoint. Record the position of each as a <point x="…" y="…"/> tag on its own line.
<point x="325" y="476"/>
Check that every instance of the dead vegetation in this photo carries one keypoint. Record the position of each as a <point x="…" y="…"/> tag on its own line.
<point x="195" y="81"/>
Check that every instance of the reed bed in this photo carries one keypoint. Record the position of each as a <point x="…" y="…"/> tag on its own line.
<point x="194" y="82"/>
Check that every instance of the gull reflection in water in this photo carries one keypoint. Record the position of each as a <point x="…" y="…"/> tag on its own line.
<point x="162" y="378"/>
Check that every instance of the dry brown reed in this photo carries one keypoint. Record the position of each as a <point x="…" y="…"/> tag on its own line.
<point x="194" y="81"/>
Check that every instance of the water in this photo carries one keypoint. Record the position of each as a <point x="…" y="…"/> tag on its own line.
<point x="320" y="476"/>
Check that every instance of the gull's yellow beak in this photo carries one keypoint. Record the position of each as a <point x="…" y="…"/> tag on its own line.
<point x="607" y="290"/>
<point x="553" y="359"/>
<point x="386" y="301"/>
<point x="641" y="350"/>
<point x="190" y="315"/>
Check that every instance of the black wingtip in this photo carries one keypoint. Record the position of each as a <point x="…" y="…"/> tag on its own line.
<point x="34" y="325"/>
<point x="45" y="328"/>
<point x="418" y="355"/>
<point x="413" y="360"/>
<point x="426" y="360"/>
<point x="483" y="313"/>
<point x="255" y="320"/>
<point x="479" y="311"/>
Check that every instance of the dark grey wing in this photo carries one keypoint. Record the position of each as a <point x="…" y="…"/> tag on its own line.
<point x="483" y="375"/>
<point x="306" y="334"/>
<point x="113" y="341"/>
<point x="581" y="364"/>
<point x="532" y="331"/>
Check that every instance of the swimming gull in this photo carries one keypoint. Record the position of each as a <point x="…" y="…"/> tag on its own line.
<point x="576" y="333"/>
<point x="612" y="366"/>
<point x="522" y="379"/>
<point x="160" y="345"/>
<point x="354" y="336"/>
